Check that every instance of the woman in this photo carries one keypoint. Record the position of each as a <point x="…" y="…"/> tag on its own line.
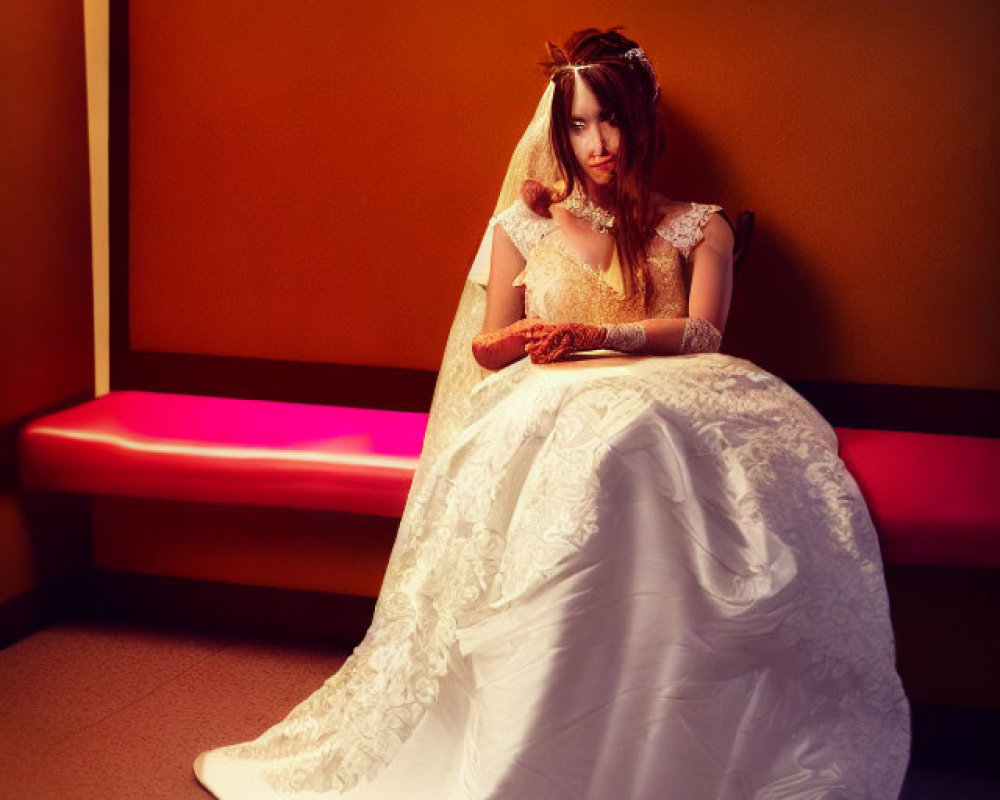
<point x="617" y="575"/>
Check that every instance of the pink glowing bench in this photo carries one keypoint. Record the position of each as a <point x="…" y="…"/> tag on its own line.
<point x="932" y="497"/>
<point x="220" y="450"/>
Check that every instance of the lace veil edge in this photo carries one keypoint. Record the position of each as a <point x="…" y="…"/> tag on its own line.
<point x="532" y="159"/>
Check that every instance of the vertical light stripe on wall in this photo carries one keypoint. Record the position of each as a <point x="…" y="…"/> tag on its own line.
<point x="95" y="19"/>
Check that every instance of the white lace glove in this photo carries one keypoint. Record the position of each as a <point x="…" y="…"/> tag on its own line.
<point x="626" y="338"/>
<point x="700" y="336"/>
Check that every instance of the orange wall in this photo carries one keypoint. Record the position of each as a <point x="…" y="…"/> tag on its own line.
<point x="310" y="179"/>
<point x="46" y="355"/>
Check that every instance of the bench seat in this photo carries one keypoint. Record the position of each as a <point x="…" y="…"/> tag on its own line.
<point x="223" y="450"/>
<point x="931" y="496"/>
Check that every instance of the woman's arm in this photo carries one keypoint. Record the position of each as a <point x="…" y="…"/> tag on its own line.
<point x="708" y="308"/>
<point x="501" y="340"/>
<point x="709" y="297"/>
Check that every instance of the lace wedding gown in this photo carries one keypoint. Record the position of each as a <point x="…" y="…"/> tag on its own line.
<point x="616" y="577"/>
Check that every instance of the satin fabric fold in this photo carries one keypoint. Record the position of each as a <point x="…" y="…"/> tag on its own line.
<point x="622" y="577"/>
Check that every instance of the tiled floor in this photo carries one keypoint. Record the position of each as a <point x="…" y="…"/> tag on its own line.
<point x="109" y="712"/>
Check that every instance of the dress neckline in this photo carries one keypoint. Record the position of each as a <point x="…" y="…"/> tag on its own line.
<point x="556" y="239"/>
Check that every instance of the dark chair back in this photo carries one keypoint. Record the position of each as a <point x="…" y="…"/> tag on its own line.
<point x="741" y="238"/>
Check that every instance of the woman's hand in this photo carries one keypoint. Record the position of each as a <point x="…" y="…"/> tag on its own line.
<point x="498" y="348"/>
<point x="547" y="342"/>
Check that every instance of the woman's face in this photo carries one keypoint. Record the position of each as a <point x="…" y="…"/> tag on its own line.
<point x="594" y="135"/>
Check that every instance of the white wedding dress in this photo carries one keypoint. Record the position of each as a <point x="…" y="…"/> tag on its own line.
<point x="616" y="577"/>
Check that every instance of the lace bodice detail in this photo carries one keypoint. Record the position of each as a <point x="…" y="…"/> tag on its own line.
<point x="561" y="287"/>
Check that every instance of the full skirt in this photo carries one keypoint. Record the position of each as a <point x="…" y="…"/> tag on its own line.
<point x="623" y="577"/>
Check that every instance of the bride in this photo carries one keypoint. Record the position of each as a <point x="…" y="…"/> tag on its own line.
<point x="618" y="574"/>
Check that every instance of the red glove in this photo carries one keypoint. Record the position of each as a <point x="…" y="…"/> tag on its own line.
<point x="497" y="349"/>
<point x="547" y="342"/>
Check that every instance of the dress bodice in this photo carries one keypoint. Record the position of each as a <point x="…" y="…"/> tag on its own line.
<point x="561" y="287"/>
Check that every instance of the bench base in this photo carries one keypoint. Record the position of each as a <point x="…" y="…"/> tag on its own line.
<point x="947" y="647"/>
<point x="298" y="549"/>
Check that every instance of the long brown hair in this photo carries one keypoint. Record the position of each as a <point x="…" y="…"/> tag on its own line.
<point x="626" y="88"/>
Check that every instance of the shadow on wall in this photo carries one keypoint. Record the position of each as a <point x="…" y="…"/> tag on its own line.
<point x="777" y="307"/>
<point x="690" y="168"/>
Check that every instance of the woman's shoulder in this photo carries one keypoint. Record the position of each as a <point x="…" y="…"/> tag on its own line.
<point x="682" y="223"/>
<point x="524" y="224"/>
<point x="672" y="211"/>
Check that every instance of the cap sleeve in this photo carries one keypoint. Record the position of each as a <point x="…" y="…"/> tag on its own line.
<point x="684" y="225"/>
<point x="524" y="227"/>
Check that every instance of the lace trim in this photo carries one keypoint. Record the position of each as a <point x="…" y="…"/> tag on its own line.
<point x="560" y="287"/>
<point x="626" y="338"/>
<point x="684" y="226"/>
<point x="700" y="336"/>
<point x="524" y="227"/>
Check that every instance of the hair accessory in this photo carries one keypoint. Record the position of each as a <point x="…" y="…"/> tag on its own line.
<point x="572" y="67"/>
<point x="557" y="54"/>
<point x="635" y="56"/>
<point x="638" y="55"/>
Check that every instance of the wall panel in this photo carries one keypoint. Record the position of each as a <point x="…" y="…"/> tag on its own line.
<point x="46" y="355"/>
<point x="310" y="179"/>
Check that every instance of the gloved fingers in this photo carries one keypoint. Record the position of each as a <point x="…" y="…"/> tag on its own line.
<point x="538" y="330"/>
<point x="541" y="349"/>
<point x="552" y="347"/>
<point x="542" y="357"/>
